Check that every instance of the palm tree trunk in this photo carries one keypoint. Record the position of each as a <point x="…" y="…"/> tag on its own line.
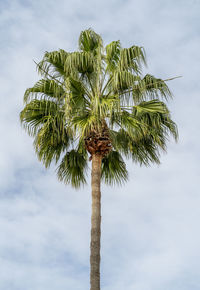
<point x="95" y="224"/>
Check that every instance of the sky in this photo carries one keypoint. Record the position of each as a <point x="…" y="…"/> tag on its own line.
<point x="150" y="226"/>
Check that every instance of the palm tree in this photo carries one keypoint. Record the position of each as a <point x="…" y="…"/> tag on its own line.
<point x="95" y="103"/>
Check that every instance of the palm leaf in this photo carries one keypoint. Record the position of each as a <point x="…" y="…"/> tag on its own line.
<point x="45" y="88"/>
<point x="79" y="62"/>
<point x="37" y="113"/>
<point x="142" y="150"/>
<point x="123" y="80"/>
<point x="132" y="58"/>
<point x="154" y="106"/>
<point x="72" y="168"/>
<point x="112" y="55"/>
<point x="89" y="41"/>
<point x="114" y="169"/>
<point x="151" y="88"/>
<point x="53" y="63"/>
<point x="84" y="123"/>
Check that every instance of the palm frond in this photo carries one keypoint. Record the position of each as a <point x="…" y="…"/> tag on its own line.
<point x="107" y="105"/>
<point x="72" y="168"/>
<point x="155" y="117"/>
<point x="79" y="93"/>
<point x="79" y="62"/>
<point x="84" y="123"/>
<point x="127" y="121"/>
<point x="142" y="150"/>
<point x="50" y="143"/>
<point x="37" y="113"/>
<point x="45" y="88"/>
<point x="123" y="80"/>
<point x="155" y="87"/>
<point x="52" y="139"/>
<point x="154" y="106"/>
<point x="151" y="88"/>
<point x="112" y="55"/>
<point x="89" y="41"/>
<point x="132" y="58"/>
<point x="166" y="128"/>
<point x="53" y="63"/>
<point x="145" y="152"/>
<point x="114" y="169"/>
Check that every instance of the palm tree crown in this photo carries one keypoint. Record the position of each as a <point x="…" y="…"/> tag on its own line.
<point x="96" y="101"/>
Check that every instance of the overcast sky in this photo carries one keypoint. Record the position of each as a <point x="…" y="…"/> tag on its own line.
<point x="150" y="226"/>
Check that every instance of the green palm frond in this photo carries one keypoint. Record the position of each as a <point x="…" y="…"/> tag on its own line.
<point x="155" y="117"/>
<point x="45" y="88"/>
<point x="145" y="152"/>
<point x="114" y="169"/>
<point x="53" y="63"/>
<point x="154" y="106"/>
<point x="112" y="55"/>
<point x="79" y="93"/>
<point x="142" y="150"/>
<point x="89" y="41"/>
<point x="127" y="121"/>
<point x="72" y="168"/>
<point x="79" y="62"/>
<point x="37" y="113"/>
<point x="151" y="88"/>
<point x="108" y="105"/>
<point x="84" y="123"/>
<point x="132" y="59"/>
<point x="52" y="139"/>
<point x="123" y="80"/>
<point x="155" y="87"/>
<point x="50" y="143"/>
<point x="121" y="141"/>
<point x="170" y="127"/>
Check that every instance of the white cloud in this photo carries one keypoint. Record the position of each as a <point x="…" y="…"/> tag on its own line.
<point x="150" y="238"/>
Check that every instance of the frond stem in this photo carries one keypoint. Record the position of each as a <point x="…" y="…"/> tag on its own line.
<point x="109" y="80"/>
<point x="166" y="80"/>
<point x="47" y="72"/>
<point x="90" y="84"/>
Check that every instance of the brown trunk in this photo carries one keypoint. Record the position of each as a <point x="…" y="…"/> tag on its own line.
<point x="95" y="223"/>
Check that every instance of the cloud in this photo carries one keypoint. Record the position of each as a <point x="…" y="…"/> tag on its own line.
<point x="150" y="238"/>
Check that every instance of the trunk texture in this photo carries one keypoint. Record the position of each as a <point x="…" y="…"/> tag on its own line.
<point x="95" y="223"/>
